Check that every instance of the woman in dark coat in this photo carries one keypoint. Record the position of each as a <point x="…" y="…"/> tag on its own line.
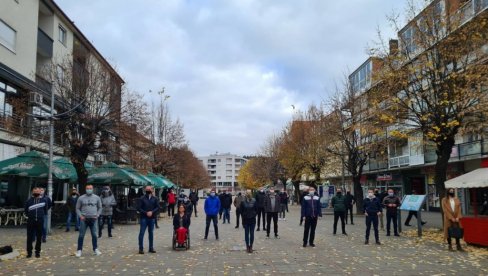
<point x="249" y="212"/>
<point x="181" y="224"/>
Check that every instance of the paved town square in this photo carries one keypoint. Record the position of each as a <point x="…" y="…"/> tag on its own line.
<point x="333" y="255"/>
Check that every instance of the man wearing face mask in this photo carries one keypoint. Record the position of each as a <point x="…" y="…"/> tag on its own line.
<point x="49" y="204"/>
<point x="372" y="209"/>
<point x="108" y="202"/>
<point x="35" y="208"/>
<point x="148" y="206"/>
<point x="212" y="207"/>
<point x="260" y="197"/>
<point x="338" y="202"/>
<point x="391" y="202"/>
<point x="188" y="206"/>
<point x="88" y="208"/>
<point x="272" y="206"/>
<point x="71" y="205"/>
<point x="311" y="210"/>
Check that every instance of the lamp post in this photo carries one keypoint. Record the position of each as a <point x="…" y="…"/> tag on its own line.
<point x="50" y="171"/>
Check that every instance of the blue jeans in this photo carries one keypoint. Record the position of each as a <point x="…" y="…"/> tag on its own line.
<point x="226" y="213"/>
<point x="101" y="222"/>
<point x="44" y="228"/>
<point x="149" y="224"/>
<point x="92" y="224"/>
<point x="249" y="233"/>
<point x="372" y="218"/>
<point x="73" y="215"/>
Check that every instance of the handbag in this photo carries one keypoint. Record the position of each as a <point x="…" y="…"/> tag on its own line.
<point x="455" y="231"/>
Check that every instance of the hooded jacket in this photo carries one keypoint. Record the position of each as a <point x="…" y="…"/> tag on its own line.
<point x="108" y="202"/>
<point x="35" y="208"/>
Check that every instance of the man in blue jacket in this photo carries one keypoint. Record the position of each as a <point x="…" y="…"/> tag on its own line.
<point x="35" y="208"/>
<point x="212" y="207"/>
<point x="372" y="209"/>
<point x="147" y="206"/>
<point x="311" y="210"/>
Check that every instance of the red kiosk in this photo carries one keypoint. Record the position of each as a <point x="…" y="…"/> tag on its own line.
<point x="475" y="227"/>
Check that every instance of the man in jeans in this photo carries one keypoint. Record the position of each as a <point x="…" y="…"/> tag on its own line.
<point x="147" y="206"/>
<point x="272" y="206"/>
<point x="49" y="204"/>
<point x="35" y="208"/>
<point x="212" y="207"/>
<point x="71" y="205"/>
<point x="88" y="208"/>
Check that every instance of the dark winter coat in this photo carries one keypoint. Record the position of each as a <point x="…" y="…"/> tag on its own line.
<point x="146" y="204"/>
<point x="35" y="208"/>
<point x="179" y="221"/>
<point x="372" y="205"/>
<point x="391" y="200"/>
<point x="268" y="206"/>
<point x="249" y="210"/>
<point x="311" y="206"/>
<point x="226" y="201"/>
<point x="260" y="198"/>
<point x="339" y="203"/>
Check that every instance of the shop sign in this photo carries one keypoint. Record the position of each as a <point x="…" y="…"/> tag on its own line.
<point x="384" y="177"/>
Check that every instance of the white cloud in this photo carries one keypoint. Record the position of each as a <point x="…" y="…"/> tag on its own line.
<point x="233" y="68"/>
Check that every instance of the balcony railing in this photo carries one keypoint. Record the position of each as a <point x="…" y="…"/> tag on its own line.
<point x="399" y="161"/>
<point x="44" y="44"/>
<point x="374" y="165"/>
<point x="460" y="151"/>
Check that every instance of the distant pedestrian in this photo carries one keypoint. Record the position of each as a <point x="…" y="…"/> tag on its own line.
<point x="249" y="211"/>
<point x="108" y="203"/>
<point x="372" y="209"/>
<point x="50" y="204"/>
<point x="171" y="199"/>
<point x="451" y="207"/>
<point x="194" y="201"/>
<point x="302" y="196"/>
<point x="283" y="202"/>
<point x="212" y="207"/>
<point x="338" y="202"/>
<point x="221" y="198"/>
<point x="188" y="206"/>
<point x="260" y="197"/>
<point x="380" y="196"/>
<point x="391" y="203"/>
<point x="484" y="204"/>
<point x="71" y="206"/>
<point x="412" y="213"/>
<point x="350" y="201"/>
<point x="35" y="208"/>
<point x="148" y="206"/>
<point x="272" y="206"/>
<point x="237" y="204"/>
<point x="226" y="205"/>
<point x="311" y="210"/>
<point x="88" y="208"/>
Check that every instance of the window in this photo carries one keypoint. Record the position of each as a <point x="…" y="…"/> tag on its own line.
<point x="7" y="36"/>
<point x="62" y="35"/>
<point x="361" y="79"/>
<point x="408" y="40"/>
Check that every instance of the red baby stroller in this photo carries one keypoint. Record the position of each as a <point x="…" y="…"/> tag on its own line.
<point x="181" y="238"/>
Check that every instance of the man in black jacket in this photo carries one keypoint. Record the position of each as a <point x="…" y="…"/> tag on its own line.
<point x="194" y="201"/>
<point x="148" y="206"/>
<point x="260" y="196"/>
<point x="272" y="205"/>
<point x="391" y="203"/>
<point x="350" y="201"/>
<point x="35" y="208"/>
<point x="226" y="204"/>
<point x="372" y="210"/>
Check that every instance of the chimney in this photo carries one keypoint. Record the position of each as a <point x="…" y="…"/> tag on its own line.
<point x="393" y="47"/>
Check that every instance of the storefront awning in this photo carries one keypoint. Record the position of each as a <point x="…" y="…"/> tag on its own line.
<point x="475" y="179"/>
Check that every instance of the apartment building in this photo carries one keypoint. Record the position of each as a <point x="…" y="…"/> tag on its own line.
<point x="223" y="170"/>
<point x="408" y="163"/>
<point x="35" y="35"/>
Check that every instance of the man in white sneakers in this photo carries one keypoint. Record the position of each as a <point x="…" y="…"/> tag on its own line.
<point x="88" y="208"/>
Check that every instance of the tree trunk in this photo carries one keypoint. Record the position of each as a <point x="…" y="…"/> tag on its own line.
<point x="358" y="194"/>
<point x="78" y="158"/>
<point x="296" y="184"/>
<point x="443" y="152"/>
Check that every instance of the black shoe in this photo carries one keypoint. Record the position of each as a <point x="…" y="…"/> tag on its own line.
<point x="267" y="236"/>
<point x="196" y="216"/>
<point x="378" y="242"/>
<point x="152" y="251"/>
<point x="345" y="234"/>
<point x="407" y="224"/>
<point x="397" y="235"/>
<point x="141" y="251"/>
<point x="205" y="238"/>
<point x="333" y="233"/>
<point x="257" y="230"/>
<point x="237" y="227"/>
<point x="352" y="223"/>
<point x="387" y="234"/>
<point x="157" y="227"/>
<point x="312" y="245"/>
<point x="276" y="236"/>
<point x="366" y="242"/>
<point x="76" y="229"/>
<point x="423" y="222"/>
<point x="44" y="240"/>
<point x="217" y="238"/>
<point x="29" y="255"/>
<point x="38" y="255"/>
<point x="110" y="235"/>
<point x="67" y="230"/>
<point x="304" y="245"/>
<point x="99" y="235"/>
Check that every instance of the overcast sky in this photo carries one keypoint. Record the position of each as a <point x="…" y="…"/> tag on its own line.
<point x="233" y="68"/>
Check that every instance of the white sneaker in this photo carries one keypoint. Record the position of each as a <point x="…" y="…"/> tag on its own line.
<point x="78" y="253"/>
<point x="284" y="219"/>
<point x="97" y="252"/>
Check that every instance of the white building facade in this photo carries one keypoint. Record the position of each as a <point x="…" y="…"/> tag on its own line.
<point x="223" y="170"/>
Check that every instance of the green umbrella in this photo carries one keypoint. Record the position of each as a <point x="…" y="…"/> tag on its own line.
<point x="158" y="181"/>
<point x="111" y="173"/>
<point x="141" y="176"/>
<point x="35" y="164"/>
<point x="167" y="182"/>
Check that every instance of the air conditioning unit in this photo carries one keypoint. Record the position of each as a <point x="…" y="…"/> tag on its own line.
<point x="35" y="98"/>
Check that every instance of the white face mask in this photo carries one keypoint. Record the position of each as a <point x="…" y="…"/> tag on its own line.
<point x="370" y="194"/>
<point x="311" y="193"/>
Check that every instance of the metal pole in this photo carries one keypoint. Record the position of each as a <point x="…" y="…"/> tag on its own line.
<point x="50" y="172"/>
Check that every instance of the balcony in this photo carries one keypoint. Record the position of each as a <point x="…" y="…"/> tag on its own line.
<point x="399" y="161"/>
<point x="461" y="151"/>
<point x="44" y="44"/>
<point x="374" y="165"/>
